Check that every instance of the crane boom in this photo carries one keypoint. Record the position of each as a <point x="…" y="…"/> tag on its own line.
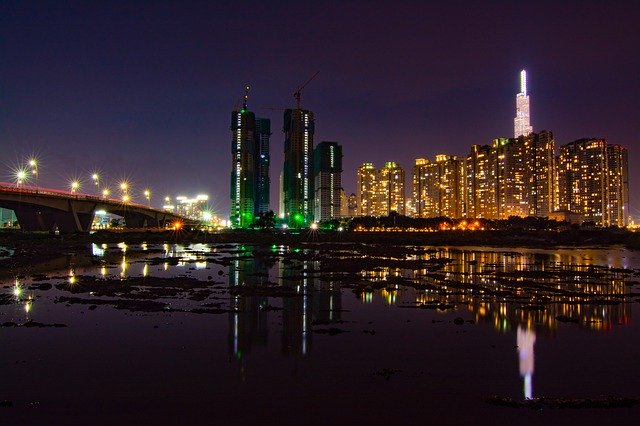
<point x="298" y="91"/>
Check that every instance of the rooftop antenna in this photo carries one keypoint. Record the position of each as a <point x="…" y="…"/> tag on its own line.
<point x="298" y="91"/>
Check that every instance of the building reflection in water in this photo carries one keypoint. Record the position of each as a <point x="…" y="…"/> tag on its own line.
<point x="507" y="288"/>
<point x="526" y="339"/>
<point x="305" y="301"/>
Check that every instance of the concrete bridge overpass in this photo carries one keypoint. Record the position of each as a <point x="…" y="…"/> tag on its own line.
<point x="41" y="209"/>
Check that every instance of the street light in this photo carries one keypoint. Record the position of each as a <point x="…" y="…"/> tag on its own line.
<point x="105" y="193"/>
<point x="33" y="163"/>
<point x="125" y="198"/>
<point x="74" y="186"/>
<point x="147" y="195"/>
<point x="21" y="176"/>
<point x="96" y="180"/>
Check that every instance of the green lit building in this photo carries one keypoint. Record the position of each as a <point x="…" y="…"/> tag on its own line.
<point x="297" y="174"/>
<point x="250" y="166"/>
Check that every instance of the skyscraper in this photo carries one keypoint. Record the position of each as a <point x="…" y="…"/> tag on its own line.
<point x="250" y="166"/>
<point x="593" y="181"/>
<point x="327" y="180"/>
<point x="437" y="187"/>
<point x="366" y="189"/>
<point x="261" y="161"/>
<point x="297" y="179"/>
<point x="521" y="123"/>
<point x="481" y="187"/>
<point x="390" y="190"/>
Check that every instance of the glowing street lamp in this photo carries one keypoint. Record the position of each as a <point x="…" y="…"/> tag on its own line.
<point x="147" y="195"/>
<point x="96" y="180"/>
<point x="33" y="163"/>
<point x="124" y="186"/>
<point x="21" y="176"/>
<point x="74" y="186"/>
<point x="125" y="198"/>
<point x="105" y="193"/>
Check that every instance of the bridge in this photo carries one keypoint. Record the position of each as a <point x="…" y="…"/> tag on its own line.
<point x="43" y="209"/>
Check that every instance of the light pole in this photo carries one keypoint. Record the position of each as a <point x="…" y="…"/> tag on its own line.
<point x="74" y="186"/>
<point x="147" y="195"/>
<point x="105" y="193"/>
<point x="96" y="181"/>
<point x="33" y="163"/>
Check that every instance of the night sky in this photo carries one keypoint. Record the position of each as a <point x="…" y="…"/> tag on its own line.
<point x="144" y="90"/>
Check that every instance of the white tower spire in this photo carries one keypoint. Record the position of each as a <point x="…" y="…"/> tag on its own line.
<point x="523" y="82"/>
<point x="521" y="123"/>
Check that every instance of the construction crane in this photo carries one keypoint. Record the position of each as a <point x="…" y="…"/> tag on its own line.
<point x="298" y="91"/>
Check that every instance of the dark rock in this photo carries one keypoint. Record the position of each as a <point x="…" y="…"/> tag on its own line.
<point x="458" y="321"/>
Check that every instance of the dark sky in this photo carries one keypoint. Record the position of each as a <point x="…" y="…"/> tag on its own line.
<point x="144" y="90"/>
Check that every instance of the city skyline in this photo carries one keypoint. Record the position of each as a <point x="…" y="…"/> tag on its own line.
<point x="82" y="99"/>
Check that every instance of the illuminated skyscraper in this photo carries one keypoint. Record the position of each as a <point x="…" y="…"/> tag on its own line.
<point x="380" y="192"/>
<point x="521" y="123"/>
<point x="437" y="187"/>
<point x="261" y="161"/>
<point x="540" y="173"/>
<point x="390" y="190"/>
<point x="250" y="166"/>
<point x="511" y="193"/>
<point x="327" y="175"/>
<point x="366" y="187"/>
<point x="481" y="184"/>
<point x="297" y="178"/>
<point x="618" y="185"/>
<point x="593" y="181"/>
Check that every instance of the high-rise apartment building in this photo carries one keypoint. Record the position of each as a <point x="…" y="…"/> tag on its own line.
<point x="297" y="178"/>
<point x="593" y="181"/>
<point x="511" y="177"/>
<point x="366" y="189"/>
<point x="481" y="183"/>
<point x="522" y="120"/>
<point x="438" y="187"/>
<point x="618" y="185"/>
<point x="540" y="169"/>
<point x="250" y="166"/>
<point x="380" y="191"/>
<point x="261" y="161"/>
<point x="327" y="173"/>
<point x="511" y="192"/>
<point x="390" y="194"/>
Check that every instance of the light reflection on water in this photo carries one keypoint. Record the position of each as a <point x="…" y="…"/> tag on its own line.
<point x="519" y="293"/>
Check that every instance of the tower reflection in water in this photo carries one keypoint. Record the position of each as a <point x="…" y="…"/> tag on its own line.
<point x="526" y="339"/>
<point x="265" y="289"/>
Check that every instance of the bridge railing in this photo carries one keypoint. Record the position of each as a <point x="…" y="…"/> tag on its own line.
<point x="25" y="189"/>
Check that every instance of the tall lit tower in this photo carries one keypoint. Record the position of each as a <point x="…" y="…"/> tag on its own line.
<point x="297" y="174"/>
<point x="521" y="123"/>
<point x="249" y="166"/>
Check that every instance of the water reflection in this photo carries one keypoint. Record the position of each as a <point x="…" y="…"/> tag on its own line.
<point x="526" y="339"/>
<point x="268" y="290"/>
<point x="529" y="287"/>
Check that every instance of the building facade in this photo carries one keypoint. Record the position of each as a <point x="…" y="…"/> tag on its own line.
<point x="297" y="174"/>
<point x="380" y="191"/>
<point x="327" y="182"/>
<point x="249" y="191"/>
<point x="593" y="181"/>
<point x="366" y="190"/>
<point x="437" y="187"/>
